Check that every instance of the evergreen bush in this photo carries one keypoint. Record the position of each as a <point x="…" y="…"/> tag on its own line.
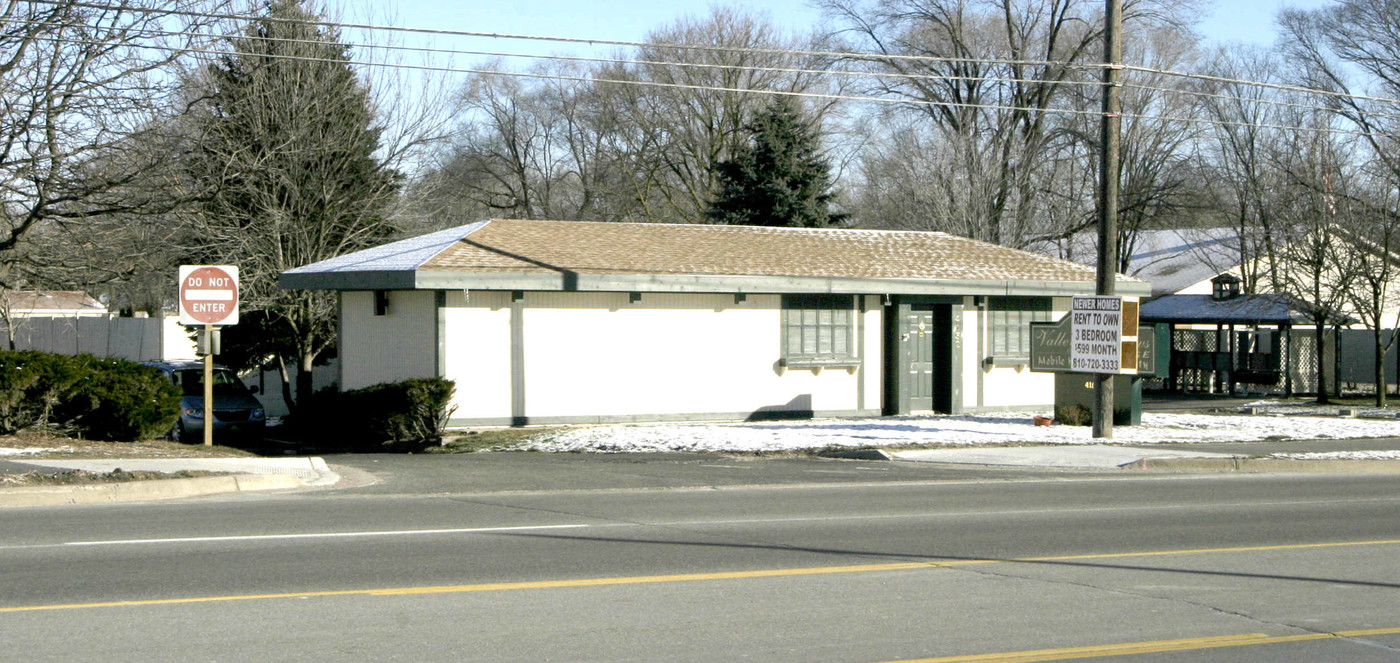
<point x="385" y="416"/>
<point x="101" y="399"/>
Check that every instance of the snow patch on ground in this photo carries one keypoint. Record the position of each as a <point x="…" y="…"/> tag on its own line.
<point x="30" y="451"/>
<point x="949" y="430"/>
<point x="1341" y="455"/>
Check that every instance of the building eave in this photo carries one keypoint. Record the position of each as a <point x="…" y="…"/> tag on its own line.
<point x="687" y="283"/>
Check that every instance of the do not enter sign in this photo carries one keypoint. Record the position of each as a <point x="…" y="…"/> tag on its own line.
<point x="208" y="295"/>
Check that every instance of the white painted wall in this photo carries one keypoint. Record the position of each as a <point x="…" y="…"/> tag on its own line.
<point x="598" y="355"/>
<point x="974" y="342"/>
<point x="387" y="348"/>
<point x="1001" y="387"/>
<point x="478" y="353"/>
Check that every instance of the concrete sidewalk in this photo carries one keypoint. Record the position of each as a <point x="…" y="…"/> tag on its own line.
<point x="238" y="475"/>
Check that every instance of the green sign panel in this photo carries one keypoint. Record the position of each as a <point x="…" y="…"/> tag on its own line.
<point x="1050" y="345"/>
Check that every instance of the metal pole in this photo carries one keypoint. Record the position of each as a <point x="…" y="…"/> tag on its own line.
<point x="208" y="385"/>
<point x="1108" y="196"/>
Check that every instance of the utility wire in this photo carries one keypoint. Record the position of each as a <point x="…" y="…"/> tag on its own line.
<point x="786" y="70"/>
<point x="569" y="40"/>
<point x="601" y="60"/>
<point x="917" y="102"/>
<point x="639" y="83"/>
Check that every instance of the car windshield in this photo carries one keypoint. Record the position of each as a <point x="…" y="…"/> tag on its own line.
<point x="191" y="382"/>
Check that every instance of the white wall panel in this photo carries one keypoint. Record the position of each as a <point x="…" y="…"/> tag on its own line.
<point x="974" y="343"/>
<point x="599" y="355"/>
<point x="477" y="346"/>
<point x="387" y="348"/>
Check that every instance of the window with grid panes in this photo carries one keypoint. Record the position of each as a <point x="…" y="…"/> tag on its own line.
<point x="1009" y="320"/>
<point x="818" y="329"/>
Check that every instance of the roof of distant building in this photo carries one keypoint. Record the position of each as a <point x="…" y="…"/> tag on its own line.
<point x="51" y="303"/>
<point x="1271" y="309"/>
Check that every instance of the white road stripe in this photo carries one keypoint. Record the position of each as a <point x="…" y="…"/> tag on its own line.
<point x="322" y="535"/>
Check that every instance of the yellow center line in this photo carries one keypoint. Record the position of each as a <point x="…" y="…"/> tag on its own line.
<point x="1151" y="647"/>
<point x="683" y="577"/>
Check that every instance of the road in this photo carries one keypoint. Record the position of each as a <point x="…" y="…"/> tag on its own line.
<point x="887" y="568"/>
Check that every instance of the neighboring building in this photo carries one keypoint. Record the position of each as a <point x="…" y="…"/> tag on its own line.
<point x="542" y="322"/>
<point x="1175" y="262"/>
<point x="50" y="304"/>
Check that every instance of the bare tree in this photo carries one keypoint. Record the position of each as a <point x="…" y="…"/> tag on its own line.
<point x="991" y="80"/>
<point x="86" y="88"/>
<point x="1374" y="295"/>
<point x="1238" y="153"/>
<point x="1318" y="208"/>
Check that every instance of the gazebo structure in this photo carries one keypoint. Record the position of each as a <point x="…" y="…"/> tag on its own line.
<point x="1254" y="341"/>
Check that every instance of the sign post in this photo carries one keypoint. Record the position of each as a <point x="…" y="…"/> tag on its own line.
<point x="208" y="297"/>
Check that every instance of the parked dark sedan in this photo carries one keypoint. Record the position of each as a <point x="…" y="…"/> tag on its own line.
<point x="237" y="413"/>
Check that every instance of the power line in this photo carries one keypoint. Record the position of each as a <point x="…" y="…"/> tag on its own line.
<point x="639" y="83"/>
<point x="571" y="40"/>
<point x="727" y="49"/>
<point x="1260" y="84"/>
<point x="600" y="60"/>
<point x="905" y="101"/>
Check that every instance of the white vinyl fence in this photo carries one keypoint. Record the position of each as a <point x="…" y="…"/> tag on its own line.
<point x="136" y="339"/>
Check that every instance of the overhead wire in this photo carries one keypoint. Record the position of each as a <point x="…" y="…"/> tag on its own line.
<point x="633" y="82"/>
<point x="788" y="52"/>
<point x="568" y="40"/>
<point x="601" y="60"/>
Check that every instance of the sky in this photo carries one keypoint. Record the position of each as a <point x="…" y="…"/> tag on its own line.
<point x="1248" y="21"/>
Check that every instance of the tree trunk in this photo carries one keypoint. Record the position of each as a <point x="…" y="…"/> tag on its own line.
<point x="286" y="384"/>
<point x="305" y="377"/>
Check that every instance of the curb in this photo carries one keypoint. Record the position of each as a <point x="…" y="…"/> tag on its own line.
<point x="140" y="491"/>
<point x="1245" y="464"/>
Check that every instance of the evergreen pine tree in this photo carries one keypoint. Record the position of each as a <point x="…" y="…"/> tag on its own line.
<point x="778" y="178"/>
<point x="284" y="150"/>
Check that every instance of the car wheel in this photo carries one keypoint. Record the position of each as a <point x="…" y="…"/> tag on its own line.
<point x="177" y="433"/>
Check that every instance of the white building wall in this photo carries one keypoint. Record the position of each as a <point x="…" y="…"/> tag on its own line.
<point x="974" y="341"/>
<point x="175" y="340"/>
<point x="1001" y="387"/>
<point x="872" y="369"/>
<point x="599" y="356"/>
<point x="387" y="348"/>
<point x="477" y="344"/>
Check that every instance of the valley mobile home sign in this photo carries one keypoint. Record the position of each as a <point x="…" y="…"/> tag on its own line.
<point x="1096" y="334"/>
<point x="208" y="295"/>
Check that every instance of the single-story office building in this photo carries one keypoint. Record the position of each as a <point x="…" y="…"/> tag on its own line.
<point x="552" y="322"/>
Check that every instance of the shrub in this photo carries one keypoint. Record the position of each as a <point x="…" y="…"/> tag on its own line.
<point x="409" y="413"/>
<point x="102" y="399"/>
<point x="1074" y="415"/>
<point x="123" y="400"/>
<point x="33" y="385"/>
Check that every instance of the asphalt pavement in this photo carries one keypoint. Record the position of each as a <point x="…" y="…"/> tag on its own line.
<point x="515" y="471"/>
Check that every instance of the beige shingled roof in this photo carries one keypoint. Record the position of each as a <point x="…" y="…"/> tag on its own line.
<point x="514" y="246"/>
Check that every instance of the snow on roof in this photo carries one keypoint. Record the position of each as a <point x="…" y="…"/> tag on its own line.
<point x="51" y="302"/>
<point x="405" y="254"/>
<point x="1170" y="260"/>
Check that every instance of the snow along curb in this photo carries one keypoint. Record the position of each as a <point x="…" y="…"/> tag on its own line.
<point x="141" y="491"/>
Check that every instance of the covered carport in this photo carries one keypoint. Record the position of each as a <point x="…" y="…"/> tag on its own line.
<point x="1256" y="341"/>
